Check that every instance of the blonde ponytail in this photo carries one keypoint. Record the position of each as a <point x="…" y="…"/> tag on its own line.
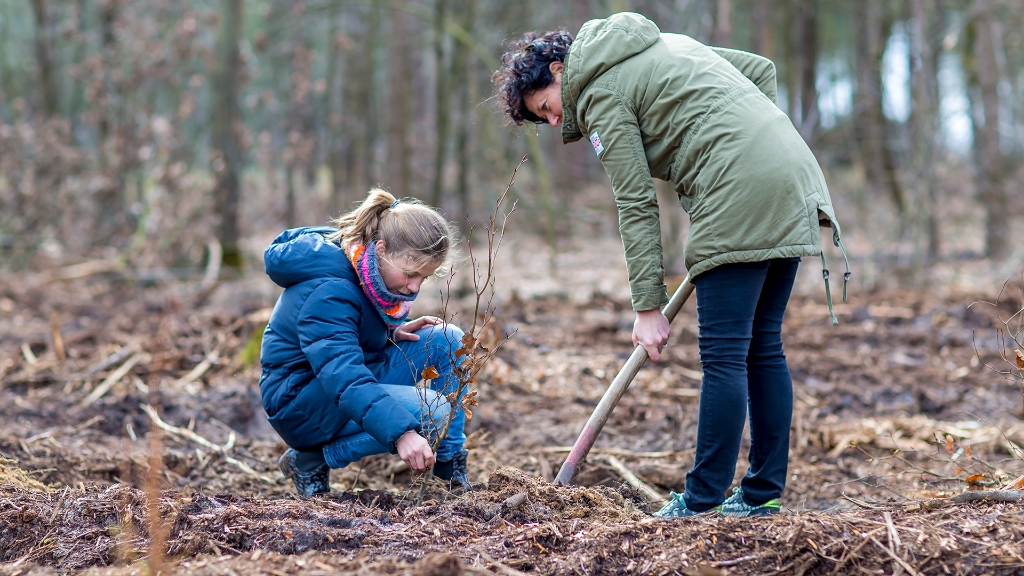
<point x="408" y="228"/>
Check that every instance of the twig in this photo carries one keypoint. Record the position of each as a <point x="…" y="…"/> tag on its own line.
<point x="212" y="273"/>
<point x="200" y="368"/>
<point x="627" y="475"/>
<point x="613" y="451"/>
<point x="26" y="351"/>
<point x="190" y="435"/>
<point x="112" y="359"/>
<point x="58" y="338"/>
<point x="114" y="378"/>
<point x="736" y="561"/>
<point x="901" y="561"/>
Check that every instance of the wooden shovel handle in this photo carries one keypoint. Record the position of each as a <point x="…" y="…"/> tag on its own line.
<point x="614" y="393"/>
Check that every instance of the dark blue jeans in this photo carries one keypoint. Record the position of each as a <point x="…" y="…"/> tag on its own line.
<point x="739" y="311"/>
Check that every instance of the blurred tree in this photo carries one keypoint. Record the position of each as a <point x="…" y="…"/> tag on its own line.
<point x="987" y="154"/>
<point x="924" y="119"/>
<point x="466" y="95"/>
<point x="400" y="107"/>
<point x="442" y="95"/>
<point x="808" y="10"/>
<point x="873" y="23"/>
<point x="44" y="58"/>
<point x="224" y="122"/>
<point x="722" y="33"/>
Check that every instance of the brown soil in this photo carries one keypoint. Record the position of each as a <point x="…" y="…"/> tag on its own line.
<point x="888" y="404"/>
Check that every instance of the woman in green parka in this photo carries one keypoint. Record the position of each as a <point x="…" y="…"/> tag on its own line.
<point x="656" y="105"/>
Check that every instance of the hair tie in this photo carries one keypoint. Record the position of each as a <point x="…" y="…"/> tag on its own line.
<point x="393" y="204"/>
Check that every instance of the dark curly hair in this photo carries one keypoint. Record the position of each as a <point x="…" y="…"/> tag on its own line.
<point x="526" y="68"/>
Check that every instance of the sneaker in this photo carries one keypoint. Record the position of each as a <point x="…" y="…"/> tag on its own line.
<point x="735" y="505"/>
<point x="307" y="484"/>
<point x="676" y="508"/>
<point x="454" y="470"/>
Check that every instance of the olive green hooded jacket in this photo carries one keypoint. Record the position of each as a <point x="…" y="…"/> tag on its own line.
<point x="705" y="119"/>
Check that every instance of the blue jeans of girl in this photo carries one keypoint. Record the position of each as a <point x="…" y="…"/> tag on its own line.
<point x="401" y="369"/>
<point x="739" y="312"/>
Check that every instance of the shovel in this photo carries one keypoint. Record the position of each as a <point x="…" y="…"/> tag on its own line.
<point x="611" y="397"/>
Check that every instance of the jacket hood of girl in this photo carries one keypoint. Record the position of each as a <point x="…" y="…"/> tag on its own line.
<point x="302" y="254"/>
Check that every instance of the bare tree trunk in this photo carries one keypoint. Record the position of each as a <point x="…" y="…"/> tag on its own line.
<point x="722" y="34"/>
<point x="356" y="120"/>
<point x="400" y="117"/>
<point x="763" y="35"/>
<point x="987" y="154"/>
<point x="463" y="66"/>
<point x="443" y="93"/>
<point x="333" y="107"/>
<point x="44" y="59"/>
<point x="808" y="74"/>
<point x="924" y="117"/>
<point x="792" y="78"/>
<point x="227" y="154"/>
<point x="870" y="124"/>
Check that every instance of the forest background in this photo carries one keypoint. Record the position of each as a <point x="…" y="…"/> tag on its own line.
<point x="163" y="133"/>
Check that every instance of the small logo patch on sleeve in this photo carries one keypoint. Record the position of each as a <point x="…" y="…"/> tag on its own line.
<point x="596" y="141"/>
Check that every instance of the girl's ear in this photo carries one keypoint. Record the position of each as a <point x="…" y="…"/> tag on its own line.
<point x="381" y="246"/>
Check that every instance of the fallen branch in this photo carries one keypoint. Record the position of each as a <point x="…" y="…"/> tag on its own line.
<point x="612" y="451"/>
<point x="190" y="435"/>
<point x="968" y="497"/>
<point x="114" y="378"/>
<point x="199" y="369"/>
<point x="627" y="475"/>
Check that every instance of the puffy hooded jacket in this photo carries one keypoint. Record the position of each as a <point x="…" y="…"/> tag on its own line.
<point x="321" y="337"/>
<point x="666" y="106"/>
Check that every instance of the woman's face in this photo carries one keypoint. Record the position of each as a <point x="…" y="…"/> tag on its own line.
<point x="400" y="274"/>
<point x="547" y="102"/>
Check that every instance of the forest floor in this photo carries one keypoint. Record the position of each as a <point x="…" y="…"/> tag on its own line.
<point x="898" y="426"/>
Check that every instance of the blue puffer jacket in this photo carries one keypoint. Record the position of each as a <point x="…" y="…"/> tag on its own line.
<point x="323" y="334"/>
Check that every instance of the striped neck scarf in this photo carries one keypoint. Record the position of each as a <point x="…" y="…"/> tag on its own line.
<point x="393" y="308"/>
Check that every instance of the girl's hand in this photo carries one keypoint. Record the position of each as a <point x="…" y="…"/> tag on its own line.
<point x="415" y="451"/>
<point x="405" y="331"/>
<point x="651" y="331"/>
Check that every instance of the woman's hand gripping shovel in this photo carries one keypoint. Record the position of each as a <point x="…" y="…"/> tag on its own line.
<point x="611" y="397"/>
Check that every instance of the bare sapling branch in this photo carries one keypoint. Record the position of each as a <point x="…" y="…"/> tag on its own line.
<point x="471" y="354"/>
<point x="1009" y="339"/>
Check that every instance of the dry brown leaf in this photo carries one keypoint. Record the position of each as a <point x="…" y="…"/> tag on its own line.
<point x="1020" y="359"/>
<point x="429" y="373"/>
<point x="469" y="415"/>
<point x="949" y="444"/>
<point x="470" y="399"/>
<point x="974" y="479"/>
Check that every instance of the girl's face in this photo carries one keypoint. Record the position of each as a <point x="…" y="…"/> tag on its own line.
<point x="547" y="102"/>
<point x="401" y="274"/>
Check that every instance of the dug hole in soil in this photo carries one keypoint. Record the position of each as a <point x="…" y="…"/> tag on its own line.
<point x="905" y="452"/>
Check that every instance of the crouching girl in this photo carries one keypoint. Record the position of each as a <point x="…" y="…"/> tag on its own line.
<point x="340" y="358"/>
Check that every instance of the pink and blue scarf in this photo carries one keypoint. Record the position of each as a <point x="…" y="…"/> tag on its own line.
<point x="393" y="308"/>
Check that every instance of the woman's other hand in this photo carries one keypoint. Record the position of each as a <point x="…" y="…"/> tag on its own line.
<point x="651" y="331"/>
<point x="405" y="331"/>
<point x="415" y="451"/>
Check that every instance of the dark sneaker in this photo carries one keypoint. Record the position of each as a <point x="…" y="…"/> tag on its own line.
<point x="676" y="508"/>
<point x="454" y="470"/>
<point x="307" y="484"/>
<point x="735" y="505"/>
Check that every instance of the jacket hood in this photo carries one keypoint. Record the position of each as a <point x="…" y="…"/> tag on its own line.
<point x="303" y="254"/>
<point x="600" y="45"/>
